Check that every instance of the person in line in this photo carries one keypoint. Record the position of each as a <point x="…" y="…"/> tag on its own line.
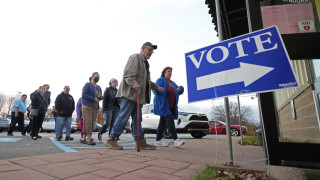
<point x="166" y="106"/>
<point x="65" y="106"/>
<point x="111" y="107"/>
<point x="136" y="79"/>
<point x="38" y="101"/>
<point x="47" y="96"/>
<point x="79" y="116"/>
<point x="91" y="95"/>
<point x="17" y="115"/>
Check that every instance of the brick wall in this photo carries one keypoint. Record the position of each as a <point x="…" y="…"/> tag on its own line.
<point x="305" y="128"/>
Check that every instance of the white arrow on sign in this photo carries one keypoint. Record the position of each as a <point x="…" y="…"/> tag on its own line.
<point x="247" y="73"/>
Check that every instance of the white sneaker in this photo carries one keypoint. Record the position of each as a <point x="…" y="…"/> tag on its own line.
<point x="178" y="143"/>
<point x="160" y="143"/>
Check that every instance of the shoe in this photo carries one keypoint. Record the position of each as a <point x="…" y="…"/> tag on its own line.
<point x="91" y="143"/>
<point x="59" y="138"/>
<point x="100" y="137"/>
<point x="34" y="138"/>
<point x="38" y="136"/>
<point x="112" y="143"/>
<point x="143" y="145"/>
<point x="178" y="143"/>
<point x="69" y="138"/>
<point x="10" y="134"/>
<point x="161" y="144"/>
<point x="83" y="141"/>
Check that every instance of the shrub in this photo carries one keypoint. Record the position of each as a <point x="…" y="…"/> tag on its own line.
<point x="250" y="140"/>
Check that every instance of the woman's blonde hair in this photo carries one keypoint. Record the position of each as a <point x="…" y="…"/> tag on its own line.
<point x="38" y="90"/>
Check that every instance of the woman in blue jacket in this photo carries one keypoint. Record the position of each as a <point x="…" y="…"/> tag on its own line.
<point x="165" y="105"/>
<point x="91" y="95"/>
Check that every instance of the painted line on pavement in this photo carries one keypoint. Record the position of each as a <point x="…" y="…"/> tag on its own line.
<point x="61" y="146"/>
<point x="91" y="147"/>
<point x="10" y="139"/>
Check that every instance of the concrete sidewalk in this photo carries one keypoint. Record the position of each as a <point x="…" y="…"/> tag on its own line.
<point x="163" y="163"/>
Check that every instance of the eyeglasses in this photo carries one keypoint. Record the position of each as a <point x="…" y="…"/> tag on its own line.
<point x="150" y="49"/>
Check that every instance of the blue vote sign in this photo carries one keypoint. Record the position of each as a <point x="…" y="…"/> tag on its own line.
<point x="255" y="62"/>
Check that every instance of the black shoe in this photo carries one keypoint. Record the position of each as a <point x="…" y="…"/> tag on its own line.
<point x="69" y="138"/>
<point x="10" y="134"/>
<point x="91" y="143"/>
<point x="83" y="141"/>
<point x="34" y="137"/>
<point x="38" y="136"/>
<point x="59" y="138"/>
<point x="100" y="137"/>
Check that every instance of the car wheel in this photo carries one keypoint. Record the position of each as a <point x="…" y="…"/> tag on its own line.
<point x="166" y="134"/>
<point x="234" y="132"/>
<point x="197" y="135"/>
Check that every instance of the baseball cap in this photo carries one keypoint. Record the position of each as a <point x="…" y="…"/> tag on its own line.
<point x="149" y="44"/>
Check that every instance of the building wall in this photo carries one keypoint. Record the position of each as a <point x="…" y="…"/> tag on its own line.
<point x="305" y="128"/>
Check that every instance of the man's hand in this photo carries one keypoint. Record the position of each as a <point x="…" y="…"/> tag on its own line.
<point x="178" y="89"/>
<point x="160" y="89"/>
<point x="96" y="100"/>
<point x="136" y="87"/>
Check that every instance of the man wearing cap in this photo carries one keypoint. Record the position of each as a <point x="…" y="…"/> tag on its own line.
<point x="111" y="107"/>
<point x="136" y="79"/>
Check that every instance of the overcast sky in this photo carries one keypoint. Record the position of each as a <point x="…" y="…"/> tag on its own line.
<point x="62" y="42"/>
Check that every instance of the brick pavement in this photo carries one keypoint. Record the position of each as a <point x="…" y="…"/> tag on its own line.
<point x="163" y="163"/>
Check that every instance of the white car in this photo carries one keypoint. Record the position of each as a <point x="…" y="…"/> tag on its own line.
<point x="194" y="123"/>
<point x="48" y="125"/>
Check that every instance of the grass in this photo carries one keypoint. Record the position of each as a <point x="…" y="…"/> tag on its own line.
<point x="250" y="140"/>
<point x="227" y="174"/>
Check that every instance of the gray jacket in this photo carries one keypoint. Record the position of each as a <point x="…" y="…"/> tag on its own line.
<point x="135" y="73"/>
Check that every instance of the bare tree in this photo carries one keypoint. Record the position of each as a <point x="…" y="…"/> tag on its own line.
<point x="220" y="114"/>
<point x="10" y="101"/>
<point x="3" y="100"/>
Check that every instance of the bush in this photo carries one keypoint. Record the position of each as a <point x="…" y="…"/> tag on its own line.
<point x="250" y="140"/>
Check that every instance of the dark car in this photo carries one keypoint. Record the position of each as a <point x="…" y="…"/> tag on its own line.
<point x="218" y="127"/>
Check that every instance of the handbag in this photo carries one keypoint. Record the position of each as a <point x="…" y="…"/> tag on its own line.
<point x="35" y="112"/>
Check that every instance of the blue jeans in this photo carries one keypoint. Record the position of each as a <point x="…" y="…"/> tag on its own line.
<point x="61" y="123"/>
<point x="127" y="108"/>
<point x="169" y="122"/>
<point x="109" y="118"/>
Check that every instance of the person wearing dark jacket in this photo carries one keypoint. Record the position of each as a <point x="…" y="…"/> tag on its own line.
<point x="65" y="106"/>
<point x="38" y="101"/>
<point x="111" y="107"/>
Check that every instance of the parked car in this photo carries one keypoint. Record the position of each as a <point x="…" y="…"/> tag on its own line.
<point x="194" y="123"/>
<point x="48" y="125"/>
<point x="5" y="121"/>
<point x="219" y="127"/>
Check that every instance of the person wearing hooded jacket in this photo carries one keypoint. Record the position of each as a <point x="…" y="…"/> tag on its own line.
<point x="111" y="107"/>
<point x="65" y="106"/>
